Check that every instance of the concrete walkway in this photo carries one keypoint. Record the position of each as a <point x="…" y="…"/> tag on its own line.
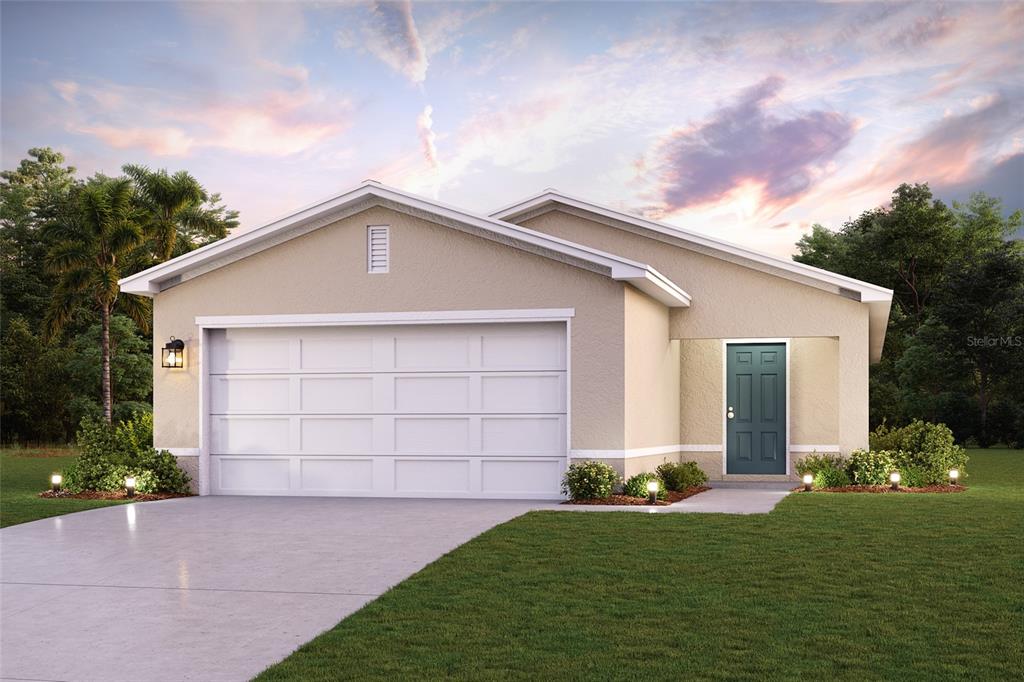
<point x="210" y="588"/>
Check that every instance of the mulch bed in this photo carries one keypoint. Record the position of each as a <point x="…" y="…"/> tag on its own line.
<point x="627" y="501"/>
<point x="888" y="489"/>
<point x="109" y="495"/>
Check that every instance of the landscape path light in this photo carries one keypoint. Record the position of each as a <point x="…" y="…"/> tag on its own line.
<point x="894" y="479"/>
<point x="55" y="482"/>
<point x="129" y="485"/>
<point x="808" y="480"/>
<point x="652" y="492"/>
<point x="954" y="476"/>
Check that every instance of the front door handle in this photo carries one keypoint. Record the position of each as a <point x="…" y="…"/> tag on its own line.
<point x="730" y="414"/>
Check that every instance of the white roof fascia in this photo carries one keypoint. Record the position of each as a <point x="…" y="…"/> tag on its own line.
<point x="148" y="282"/>
<point x="867" y="292"/>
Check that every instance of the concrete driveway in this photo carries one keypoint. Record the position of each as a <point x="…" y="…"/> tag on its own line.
<point x="211" y="588"/>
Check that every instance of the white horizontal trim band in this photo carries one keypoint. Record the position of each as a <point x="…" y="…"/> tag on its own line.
<point x="182" y="452"/>
<point x="642" y="452"/>
<point x="417" y="317"/>
<point x="814" y="448"/>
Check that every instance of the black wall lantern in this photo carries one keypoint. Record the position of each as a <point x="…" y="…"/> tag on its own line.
<point x="174" y="354"/>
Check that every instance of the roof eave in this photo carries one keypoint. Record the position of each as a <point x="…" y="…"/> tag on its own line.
<point x="867" y="292"/>
<point x="150" y="282"/>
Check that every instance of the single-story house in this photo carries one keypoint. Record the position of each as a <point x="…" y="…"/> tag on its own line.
<point x="382" y="344"/>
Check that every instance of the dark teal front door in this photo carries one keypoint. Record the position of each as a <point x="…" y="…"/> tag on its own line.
<point x="755" y="398"/>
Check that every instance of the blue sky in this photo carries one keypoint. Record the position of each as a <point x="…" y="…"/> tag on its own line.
<point x="750" y="121"/>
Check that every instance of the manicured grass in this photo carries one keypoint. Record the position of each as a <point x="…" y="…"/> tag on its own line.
<point x="850" y="586"/>
<point x="24" y="473"/>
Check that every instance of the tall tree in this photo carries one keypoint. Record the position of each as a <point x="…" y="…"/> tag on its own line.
<point x="904" y="246"/>
<point x="30" y="196"/>
<point x="954" y="272"/>
<point x="179" y="214"/>
<point x="96" y="241"/>
<point x="980" y="313"/>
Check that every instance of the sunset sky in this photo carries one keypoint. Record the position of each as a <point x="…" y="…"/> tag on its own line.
<point x="746" y="121"/>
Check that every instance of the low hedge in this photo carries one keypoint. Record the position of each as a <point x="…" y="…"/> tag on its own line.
<point x="112" y="453"/>
<point x="831" y="477"/>
<point x="815" y="463"/>
<point x="923" y="450"/>
<point x="636" y="486"/>
<point x="589" y="480"/>
<point x="681" y="475"/>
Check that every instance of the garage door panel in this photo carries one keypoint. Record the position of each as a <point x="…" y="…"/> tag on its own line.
<point x="249" y="394"/>
<point x="432" y="394"/>
<point x="253" y="474"/>
<point x="337" y="394"/>
<point x="540" y="351"/>
<point x="240" y="350"/>
<point x="336" y="475"/>
<point x="432" y="476"/>
<point x="244" y="435"/>
<point x="336" y="435"/>
<point x="521" y="476"/>
<point x="522" y="434"/>
<point x="522" y="393"/>
<point x="432" y="434"/>
<point x="434" y="351"/>
<point x="336" y="352"/>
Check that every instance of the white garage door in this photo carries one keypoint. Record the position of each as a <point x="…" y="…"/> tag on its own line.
<point x="409" y="411"/>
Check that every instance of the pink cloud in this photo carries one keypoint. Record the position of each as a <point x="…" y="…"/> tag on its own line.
<point x="425" y="129"/>
<point x="953" y="149"/>
<point x="743" y="145"/>
<point x="278" y="123"/>
<point x="156" y="141"/>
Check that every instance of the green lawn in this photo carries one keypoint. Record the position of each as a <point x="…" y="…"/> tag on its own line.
<point x="24" y="473"/>
<point x="851" y="586"/>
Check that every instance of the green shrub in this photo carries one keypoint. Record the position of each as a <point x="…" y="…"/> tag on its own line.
<point x="927" y="449"/>
<point x="912" y="476"/>
<point x="813" y="463"/>
<point x="110" y="453"/>
<point x="636" y="486"/>
<point x="589" y="480"/>
<point x="831" y="477"/>
<point x="681" y="475"/>
<point x="869" y="467"/>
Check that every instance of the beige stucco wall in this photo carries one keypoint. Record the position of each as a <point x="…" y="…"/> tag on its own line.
<point x="432" y="268"/>
<point x="700" y="383"/>
<point x="733" y="301"/>
<point x="814" y="391"/>
<point x="652" y="374"/>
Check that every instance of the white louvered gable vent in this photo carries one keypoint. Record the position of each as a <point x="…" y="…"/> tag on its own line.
<point x="378" y="248"/>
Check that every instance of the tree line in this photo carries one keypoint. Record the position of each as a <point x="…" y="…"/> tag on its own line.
<point x="71" y="346"/>
<point x="954" y="350"/>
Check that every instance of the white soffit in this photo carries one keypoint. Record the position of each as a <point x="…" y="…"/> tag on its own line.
<point x="153" y="280"/>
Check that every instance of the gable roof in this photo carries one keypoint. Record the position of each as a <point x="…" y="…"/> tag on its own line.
<point x="878" y="299"/>
<point x="371" y="193"/>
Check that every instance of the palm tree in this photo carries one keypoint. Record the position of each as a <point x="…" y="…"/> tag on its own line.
<point x="179" y="213"/>
<point x="98" y="239"/>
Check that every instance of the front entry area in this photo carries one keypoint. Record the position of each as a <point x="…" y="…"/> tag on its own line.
<point x="414" y="410"/>
<point x="756" y="408"/>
